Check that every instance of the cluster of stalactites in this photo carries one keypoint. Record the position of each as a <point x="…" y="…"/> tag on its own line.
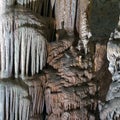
<point x="34" y="5"/>
<point x="37" y="98"/>
<point x="30" y="50"/>
<point x="4" y="4"/>
<point x="38" y="6"/>
<point x="65" y="11"/>
<point x="14" y="102"/>
<point x="22" y="45"/>
<point x="71" y="14"/>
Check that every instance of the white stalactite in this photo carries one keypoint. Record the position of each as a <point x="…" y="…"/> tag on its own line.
<point x="52" y="3"/>
<point x="84" y="31"/>
<point x="82" y="24"/>
<point x="25" y="43"/>
<point x="13" y="98"/>
<point x="37" y="97"/>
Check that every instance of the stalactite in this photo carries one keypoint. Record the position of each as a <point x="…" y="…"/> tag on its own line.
<point x="27" y="42"/>
<point x="65" y="14"/>
<point x="14" y="102"/>
<point x="70" y="15"/>
<point x="37" y="6"/>
<point x="84" y="31"/>
<point x="82" y="24"/>
<point x="52" y="3"/>
<point x="37" y="97"/>
<point x="48" y="101"/>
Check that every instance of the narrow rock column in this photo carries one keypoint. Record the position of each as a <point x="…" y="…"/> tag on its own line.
<point x="82" y="24"/>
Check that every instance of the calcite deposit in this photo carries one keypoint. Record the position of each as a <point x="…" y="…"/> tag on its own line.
<point x="59" y="60"/>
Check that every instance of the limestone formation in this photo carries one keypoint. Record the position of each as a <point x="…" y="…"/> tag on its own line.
<point x="82" y="23"/>
<point x="21" y="43"/>
<point x="59" y="59"/>
<point x="65" y="14"/>
<point x="15" y="101"/>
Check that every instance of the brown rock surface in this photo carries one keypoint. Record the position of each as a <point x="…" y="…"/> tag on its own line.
<point x="69" y="87"/>
<point x="71" y="45"/>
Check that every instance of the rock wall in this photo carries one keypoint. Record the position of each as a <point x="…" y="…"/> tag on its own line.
<point x="58" y="59"/>
<point x="110" y="110"/>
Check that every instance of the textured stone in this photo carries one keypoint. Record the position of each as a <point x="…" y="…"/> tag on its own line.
<point x="59" y="48"/>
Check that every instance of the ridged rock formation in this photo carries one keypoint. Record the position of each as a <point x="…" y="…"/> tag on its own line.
<point x="69" y="84"/>
<point x="59" y="59"/>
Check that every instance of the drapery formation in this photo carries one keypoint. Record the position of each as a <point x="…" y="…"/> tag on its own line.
<point x="23" y="45"/>
<point x="23" y="52"/>
<point x="15" y="101"/>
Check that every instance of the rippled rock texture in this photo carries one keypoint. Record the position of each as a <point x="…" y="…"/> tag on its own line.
<point x="59" y="59"/>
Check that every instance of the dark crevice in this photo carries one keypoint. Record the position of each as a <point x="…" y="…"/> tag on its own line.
<point x="44" y="111"/>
